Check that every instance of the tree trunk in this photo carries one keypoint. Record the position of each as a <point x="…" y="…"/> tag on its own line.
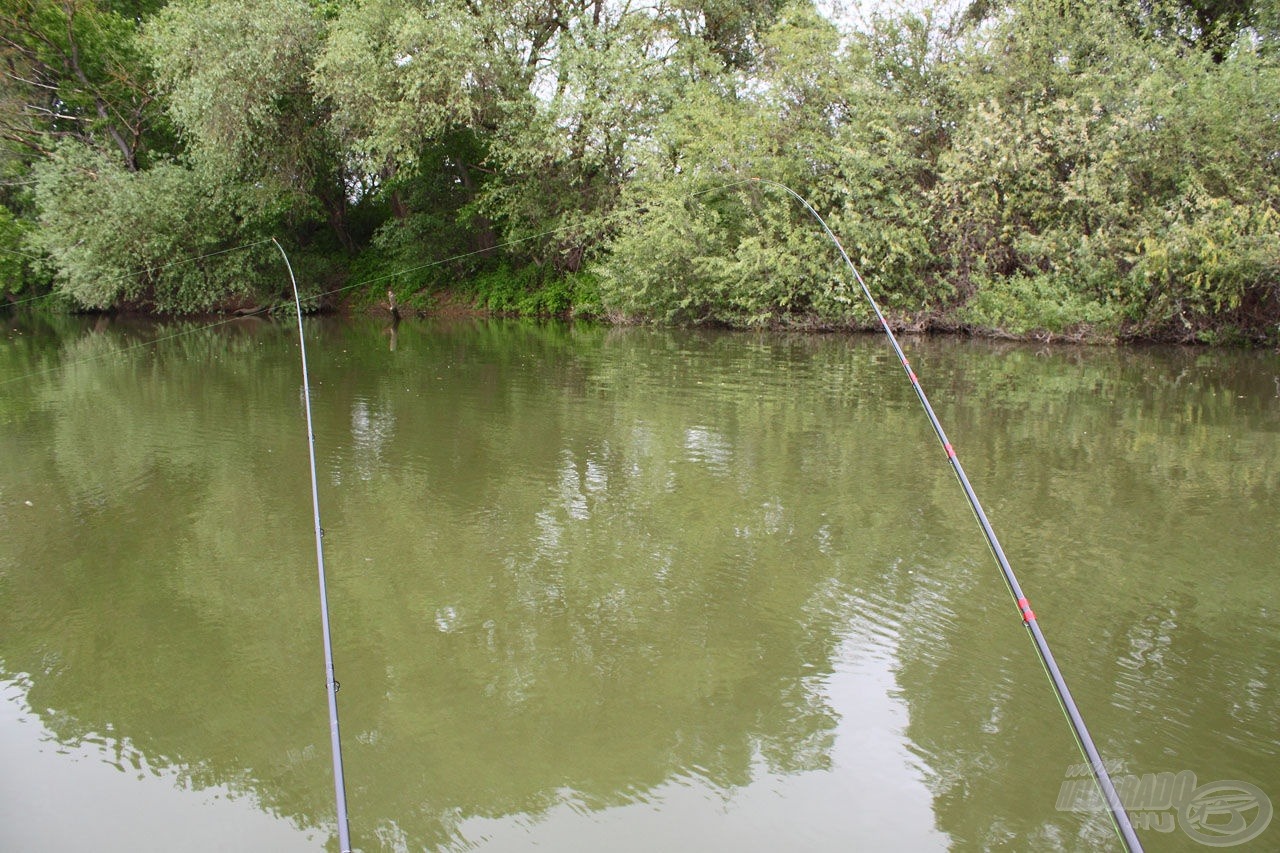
<point x="485" y="238"/>
<point x="73" y="60"/>
<point x="335" y="208"/>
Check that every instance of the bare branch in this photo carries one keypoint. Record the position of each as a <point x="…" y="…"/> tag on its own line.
<point x="36" y="83"/>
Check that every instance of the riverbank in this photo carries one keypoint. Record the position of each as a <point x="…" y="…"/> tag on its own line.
<point x="460" y="303"/>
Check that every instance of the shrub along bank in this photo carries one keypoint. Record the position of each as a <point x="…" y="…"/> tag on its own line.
<point x="1086" y="170"/>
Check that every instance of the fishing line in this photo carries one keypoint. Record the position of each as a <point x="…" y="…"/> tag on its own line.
<point x="1120" y="820"/>
<point x="331" y="683"/>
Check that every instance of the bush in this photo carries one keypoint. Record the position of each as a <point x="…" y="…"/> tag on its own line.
<point x="16" y="272"/>
<point x="161" y="238"/>
<point x="1030" y="304"/>
<point x="529" y="292"/>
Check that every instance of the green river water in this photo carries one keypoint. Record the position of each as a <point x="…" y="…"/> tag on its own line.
<point x="626" y="590"/>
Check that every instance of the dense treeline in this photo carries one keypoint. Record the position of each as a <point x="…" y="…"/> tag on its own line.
<point x="1032" y="167"/>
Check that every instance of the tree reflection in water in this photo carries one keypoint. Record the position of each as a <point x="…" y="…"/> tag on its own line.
<point x="584" y="572"/>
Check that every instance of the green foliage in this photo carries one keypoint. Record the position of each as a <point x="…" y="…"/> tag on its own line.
<point x="570" y="141"/>
<point x="15" y="261"/>
<point x="1209" y="177"/>
<point x="1113" y="168"/>
<point x="731" y="28"/>
<point x="508" y="291"/>
<point x="658" y="267"/>
<point x="236" y="79"/>
<point x="1213" y="26"/>
<point x="1029" y="167"/>
<point x="749" y="255"/>
<point x="74" y="71"/>
<point x="581" y="293"/>
<point x="531" y="292"/>
<point x="1034" y="305"/>
<point x="238" y="83"/>
<point x="400" y="74"/>
<point x="433" y="236"/>
<point x="739" y="259"/>
<point x="144" y="238"/>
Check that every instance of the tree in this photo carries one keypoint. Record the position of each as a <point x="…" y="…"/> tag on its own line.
<point x="238" y="84"/>
<point x="15" y="263"/>
<point x="142" y="238"/>
<point x="566" y="148"/>
<point x="1210" y="25"/>
<point x="1100" y="176"/>
<point x="73" y="70"/>
<point x="705" y="245"/>
<point x="552" y="97"/>
<point x="412" y="88"/>
<point x="730" y="29"/>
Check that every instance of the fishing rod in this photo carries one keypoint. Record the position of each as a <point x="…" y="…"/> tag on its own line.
<point x="1120" y="820"/>
<point x="331" y="683"/>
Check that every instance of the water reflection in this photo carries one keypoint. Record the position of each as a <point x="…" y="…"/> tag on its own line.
<point x="616" y="587"/>
<point x="101" y="793"/>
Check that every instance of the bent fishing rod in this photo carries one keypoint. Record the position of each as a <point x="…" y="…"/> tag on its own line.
<point x="1120" y="820"/>
<point x="331" y="684"/>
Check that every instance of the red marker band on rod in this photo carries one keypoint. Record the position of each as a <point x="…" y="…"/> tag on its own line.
<point x="1028" y="615"/>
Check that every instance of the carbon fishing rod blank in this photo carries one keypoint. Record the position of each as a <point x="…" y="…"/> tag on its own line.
<point x="1120" y="820"/>
<point x="331" y="683"/>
